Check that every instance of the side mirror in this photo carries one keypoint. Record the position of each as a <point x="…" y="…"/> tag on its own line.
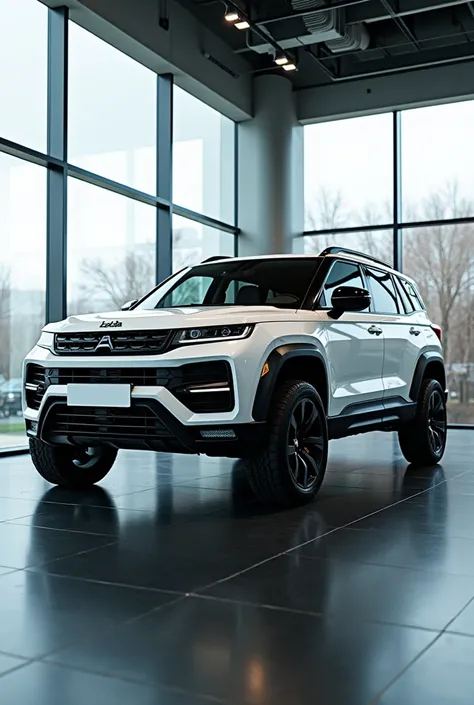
<point x="349" y="298"/>
<point x="129" y="304"/>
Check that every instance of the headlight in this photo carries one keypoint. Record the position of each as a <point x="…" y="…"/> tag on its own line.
<point x="46" y="340"/>
<point x="10" y="396"/>
<point x="211" y="334"/>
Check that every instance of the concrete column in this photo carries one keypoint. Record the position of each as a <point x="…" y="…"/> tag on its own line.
<point x="271" y="195"/>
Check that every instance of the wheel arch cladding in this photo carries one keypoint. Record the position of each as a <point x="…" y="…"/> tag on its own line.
<point x="301" y="361"/>
<point x="429" y="366"/>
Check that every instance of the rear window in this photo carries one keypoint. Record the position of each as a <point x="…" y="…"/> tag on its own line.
<point x="405" y="300"/>
<point x="413" y="295"/>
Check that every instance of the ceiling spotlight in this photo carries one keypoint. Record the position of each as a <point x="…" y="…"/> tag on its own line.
<point x="242" y="25"/>
<point x="281" y="59"/>
<point x="231" y="16"/>
<point x="290" y="66"/>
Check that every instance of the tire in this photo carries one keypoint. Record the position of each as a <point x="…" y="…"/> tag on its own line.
<point x="71" y="467"/>
<point x="423" y="440"/>
<point x="285" y="472"/>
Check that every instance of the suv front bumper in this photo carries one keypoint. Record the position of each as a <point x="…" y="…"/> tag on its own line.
<point x="185" y="430"/>
<point x="146" y="425"/>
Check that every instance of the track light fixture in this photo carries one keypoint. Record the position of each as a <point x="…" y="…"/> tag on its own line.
<point x="231" y="15"/>
<point x="281" y="59"/>
<point x="243" y="24"/>
<point x="290" y="66"/>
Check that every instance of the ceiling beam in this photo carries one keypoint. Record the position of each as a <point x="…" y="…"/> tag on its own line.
<point x="336" y="5"/>
<point x="418" y="88"/>
<point x="366" y="10"/>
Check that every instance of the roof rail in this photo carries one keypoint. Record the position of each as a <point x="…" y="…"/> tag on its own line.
<point x="215" y="258"/>
<point x="347" y="251"/>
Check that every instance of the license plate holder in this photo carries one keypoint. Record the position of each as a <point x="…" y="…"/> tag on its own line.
<point x="102" y="395"/>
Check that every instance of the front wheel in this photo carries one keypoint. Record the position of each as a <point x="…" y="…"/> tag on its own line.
<point x="423" y="440"/>
<point x="73" y="467"/>
<point x="291" y="467"/>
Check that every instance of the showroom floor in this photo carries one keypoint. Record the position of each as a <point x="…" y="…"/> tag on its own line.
<point x="168" y="585"/>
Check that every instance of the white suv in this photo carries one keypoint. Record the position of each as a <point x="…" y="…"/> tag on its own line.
<point x="262" y="358"/>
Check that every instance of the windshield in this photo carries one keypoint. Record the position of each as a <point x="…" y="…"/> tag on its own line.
<point x="283" y="283"/>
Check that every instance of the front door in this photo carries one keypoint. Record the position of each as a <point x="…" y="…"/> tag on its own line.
<point x="355" y="348"/>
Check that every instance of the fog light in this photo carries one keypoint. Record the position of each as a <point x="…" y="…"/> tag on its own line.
<point x="219" y="434"/>
<point x="34" y="427"/>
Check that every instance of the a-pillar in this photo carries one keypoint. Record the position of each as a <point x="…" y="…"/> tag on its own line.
<point x="270" y="159"/>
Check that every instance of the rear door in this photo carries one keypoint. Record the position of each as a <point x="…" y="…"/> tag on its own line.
<point x="401" y="336"/>
<point x="354" y="347"/>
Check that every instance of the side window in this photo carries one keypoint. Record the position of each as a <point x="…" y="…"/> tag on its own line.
<point x="384" y="298"/>
<point x="341" y="274"/>
<point x="405" y="299"/>
<point x="413" y="295"/>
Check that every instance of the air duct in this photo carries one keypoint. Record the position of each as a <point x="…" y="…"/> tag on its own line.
<point x="322" y="26"/>
<point x="355" y="37"/>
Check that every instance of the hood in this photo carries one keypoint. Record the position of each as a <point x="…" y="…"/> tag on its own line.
<point x="171" y="318"/>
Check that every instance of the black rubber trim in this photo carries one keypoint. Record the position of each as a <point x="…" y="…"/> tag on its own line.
<point x="424" y="359"/>
<point x="371" y="416"/>
<point x="183" y="439"/>
<point x="276" y="360"/>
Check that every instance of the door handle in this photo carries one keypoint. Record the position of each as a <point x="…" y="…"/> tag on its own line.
<point x="415" y="331"/>
<point x="375" y="330"/>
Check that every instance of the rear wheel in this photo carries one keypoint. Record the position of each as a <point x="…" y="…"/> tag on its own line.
<point x="73" y="467"/>
<point x="423" y="440"/>
<point x="290" y="469"/>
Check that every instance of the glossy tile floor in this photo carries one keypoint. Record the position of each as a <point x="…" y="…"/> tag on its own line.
<point x="169" y="585"/>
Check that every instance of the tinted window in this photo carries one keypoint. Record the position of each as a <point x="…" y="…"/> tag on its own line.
<point x="341" y="274"/>
<point x="384" y="298"/>
<point x="404" y="298"/>
<point x="413" y="295"/>
<point x="276" y="282"/>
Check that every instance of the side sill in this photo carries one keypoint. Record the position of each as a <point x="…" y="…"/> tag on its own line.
<point x="375" y="419"/>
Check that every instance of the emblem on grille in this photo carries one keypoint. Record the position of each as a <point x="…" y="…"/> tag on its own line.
<point x="111" y="324"/>
<point x="105" y="342"/>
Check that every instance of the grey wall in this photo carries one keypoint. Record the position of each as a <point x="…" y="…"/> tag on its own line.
<point x="270" y="170"/>
<point x="411" y="89"/>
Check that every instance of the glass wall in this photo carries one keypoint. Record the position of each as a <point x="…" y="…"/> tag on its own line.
<point x="112" y="112"/>
<point x="23" y="78"/>
<point x="111" y="249"/>
<point x="22" y="282"/>
<point x="101" y="223"/>
<point x="203" y="158"/>
<point x="425" y="201"/>
<point x="194" y="242"/>
<point x="349" y="173"/>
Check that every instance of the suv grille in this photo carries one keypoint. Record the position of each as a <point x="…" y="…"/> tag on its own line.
<point x="137" y="422"/>
<point x="148" y="342"/>
<point x="186" y="382"/>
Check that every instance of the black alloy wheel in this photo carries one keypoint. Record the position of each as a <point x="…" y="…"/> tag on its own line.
<point x="289" y="469"/>
<point x="423" y="439"/>
<point x="437" y="421"/>
<point x="305" y="445"/>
